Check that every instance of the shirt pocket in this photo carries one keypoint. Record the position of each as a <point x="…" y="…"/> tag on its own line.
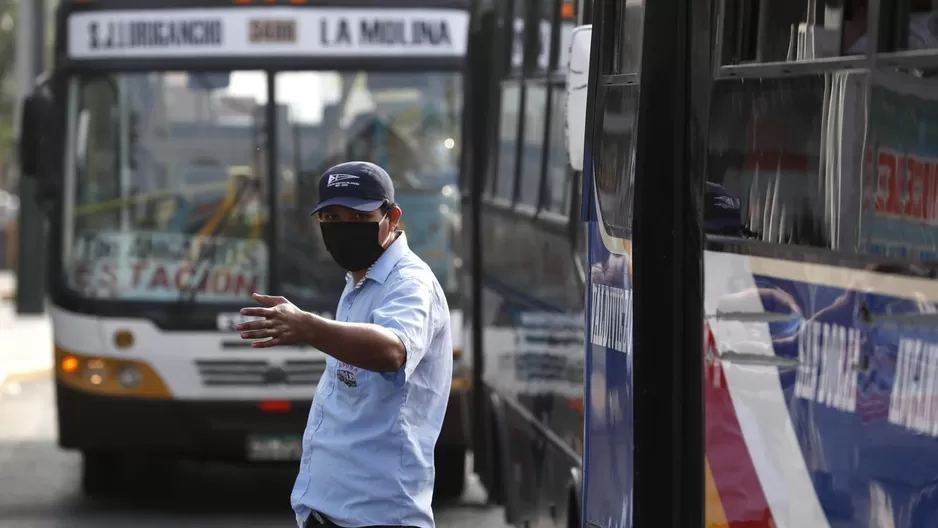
<point x="351" y="383"/>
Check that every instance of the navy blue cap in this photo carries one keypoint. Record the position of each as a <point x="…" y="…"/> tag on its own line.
<point x="721" y="210"/>
<point x="358" y="185"/>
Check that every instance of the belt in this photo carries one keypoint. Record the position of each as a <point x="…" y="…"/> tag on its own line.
<point x="316" y="519"/>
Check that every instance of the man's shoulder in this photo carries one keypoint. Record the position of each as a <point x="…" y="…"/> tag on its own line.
<point x="412" y="268"/>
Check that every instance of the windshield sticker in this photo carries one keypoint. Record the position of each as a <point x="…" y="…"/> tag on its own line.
<point x="155" y="266"/>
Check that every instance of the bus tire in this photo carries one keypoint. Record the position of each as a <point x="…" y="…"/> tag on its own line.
<point x="450" y="478"/>
<point x="100" y="474"/>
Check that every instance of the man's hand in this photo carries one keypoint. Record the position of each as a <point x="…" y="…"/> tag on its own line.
<point x="282" y="322"/>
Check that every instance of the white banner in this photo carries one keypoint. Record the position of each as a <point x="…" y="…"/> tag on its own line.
<point x="254" y="32"/>
<point x="156" y="266"/>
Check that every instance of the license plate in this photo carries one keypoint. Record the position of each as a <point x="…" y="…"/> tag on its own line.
<point x="274" y="447"/>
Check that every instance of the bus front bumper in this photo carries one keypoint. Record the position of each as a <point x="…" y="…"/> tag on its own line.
<point x="204" y="430"/>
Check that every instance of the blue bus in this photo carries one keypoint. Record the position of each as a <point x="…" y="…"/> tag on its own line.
<point x="752" y="228"/>
<point x="759" y="190"/>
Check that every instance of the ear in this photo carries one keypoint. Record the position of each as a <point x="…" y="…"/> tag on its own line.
<point x="394" y="216"/>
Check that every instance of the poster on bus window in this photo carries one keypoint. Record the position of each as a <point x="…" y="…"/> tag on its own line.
<point x="901" y="203"/>
<point x="158" y="266"/>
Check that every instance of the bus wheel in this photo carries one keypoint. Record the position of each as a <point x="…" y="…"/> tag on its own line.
<point x="450" y="480"/>
<point x="100" y="473"/>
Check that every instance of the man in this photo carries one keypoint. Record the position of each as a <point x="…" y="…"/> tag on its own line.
<point x="369" y="441"/>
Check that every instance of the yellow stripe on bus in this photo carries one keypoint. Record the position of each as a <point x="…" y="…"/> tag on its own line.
<point x="715" y="515"/>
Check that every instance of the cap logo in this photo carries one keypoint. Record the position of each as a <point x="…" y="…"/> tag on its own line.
<point x="726" y="202"/>
<point x="342" y="180"/>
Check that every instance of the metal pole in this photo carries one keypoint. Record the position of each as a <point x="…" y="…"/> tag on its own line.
<point x="31" y="265"/>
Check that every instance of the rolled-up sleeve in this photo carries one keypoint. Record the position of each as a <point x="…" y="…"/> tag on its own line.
<point x="405" y="309"/>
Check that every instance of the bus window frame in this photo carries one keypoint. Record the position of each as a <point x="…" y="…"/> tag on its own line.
<point x="886" y="20"/>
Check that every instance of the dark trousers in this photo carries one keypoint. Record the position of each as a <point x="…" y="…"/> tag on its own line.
<point x="315" y="520"/>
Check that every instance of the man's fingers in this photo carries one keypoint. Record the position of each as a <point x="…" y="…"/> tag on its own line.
<point x="257" y="312"/>
<point x="258" y="334"/>
<point x="266" y="344"/>
<point x="255" y="325"/>
<point x="269" y="300"/>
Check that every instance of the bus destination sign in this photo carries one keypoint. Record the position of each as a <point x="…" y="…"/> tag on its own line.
<point x="245" y="32"/>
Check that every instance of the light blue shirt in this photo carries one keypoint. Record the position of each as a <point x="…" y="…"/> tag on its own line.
<point x="369" y="440"/>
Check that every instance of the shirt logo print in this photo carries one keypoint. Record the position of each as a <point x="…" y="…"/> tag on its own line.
<point x="346" y="377"/>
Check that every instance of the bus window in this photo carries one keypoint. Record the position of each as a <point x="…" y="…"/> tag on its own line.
<point x="791" y="30"/>
<point x="535" y="108"/>
<point x="140" y="181"/>
<point x="507" y="140"/>
<point x="909" y="26"/>
<point x="557" y="178"/>
<point x="614" y="168"/>
<point x="766" y="148"/>
<point x="408" y="123"/>
<point x="921" y="30"/>
<point x="627" y="53"/>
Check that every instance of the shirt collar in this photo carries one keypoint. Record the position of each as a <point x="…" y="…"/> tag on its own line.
<point x="382" y="267"/>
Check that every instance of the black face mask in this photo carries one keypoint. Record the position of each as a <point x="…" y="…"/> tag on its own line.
<point x="353" y="245"/>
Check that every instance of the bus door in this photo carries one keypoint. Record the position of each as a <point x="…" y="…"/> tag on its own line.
<point x="643" y="461"/>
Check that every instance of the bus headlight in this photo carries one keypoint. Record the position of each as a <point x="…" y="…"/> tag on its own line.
<point x="96" y="371"/>
<point x="128" y="376"/>
<point x="109" y="376"/>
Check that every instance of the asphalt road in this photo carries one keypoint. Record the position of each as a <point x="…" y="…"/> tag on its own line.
<point x="39" y="484"/>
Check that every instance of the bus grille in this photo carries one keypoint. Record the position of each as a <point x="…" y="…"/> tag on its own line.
<point x="259" y="373"/>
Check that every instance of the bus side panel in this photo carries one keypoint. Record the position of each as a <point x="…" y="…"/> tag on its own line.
<point x="843" y="423"/>
<point x="608" y="464"/>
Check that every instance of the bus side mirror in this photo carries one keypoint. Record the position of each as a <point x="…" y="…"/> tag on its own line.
<point x="31" y="134"/>
<point x="37" y="143"/>
<point x="577" y="82"/>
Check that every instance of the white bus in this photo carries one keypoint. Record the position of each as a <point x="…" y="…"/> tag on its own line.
<point x="178" y="147"/>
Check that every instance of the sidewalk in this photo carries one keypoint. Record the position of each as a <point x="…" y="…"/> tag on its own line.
<point x="25" y="341"/>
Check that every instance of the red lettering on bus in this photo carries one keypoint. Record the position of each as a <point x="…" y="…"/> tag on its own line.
<point x="245" y="285"/>
<point x="182" y="277"/>
<point x="136" y="269"/>
<point x="906" y="186"/>
<point x="930" y="192"/>
<point x="221" y="280"/>
<point x="159" y="279"/>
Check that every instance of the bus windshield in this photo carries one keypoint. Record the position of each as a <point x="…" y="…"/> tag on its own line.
<point x="408" y="122"/>
<point x="168" y="177"/>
